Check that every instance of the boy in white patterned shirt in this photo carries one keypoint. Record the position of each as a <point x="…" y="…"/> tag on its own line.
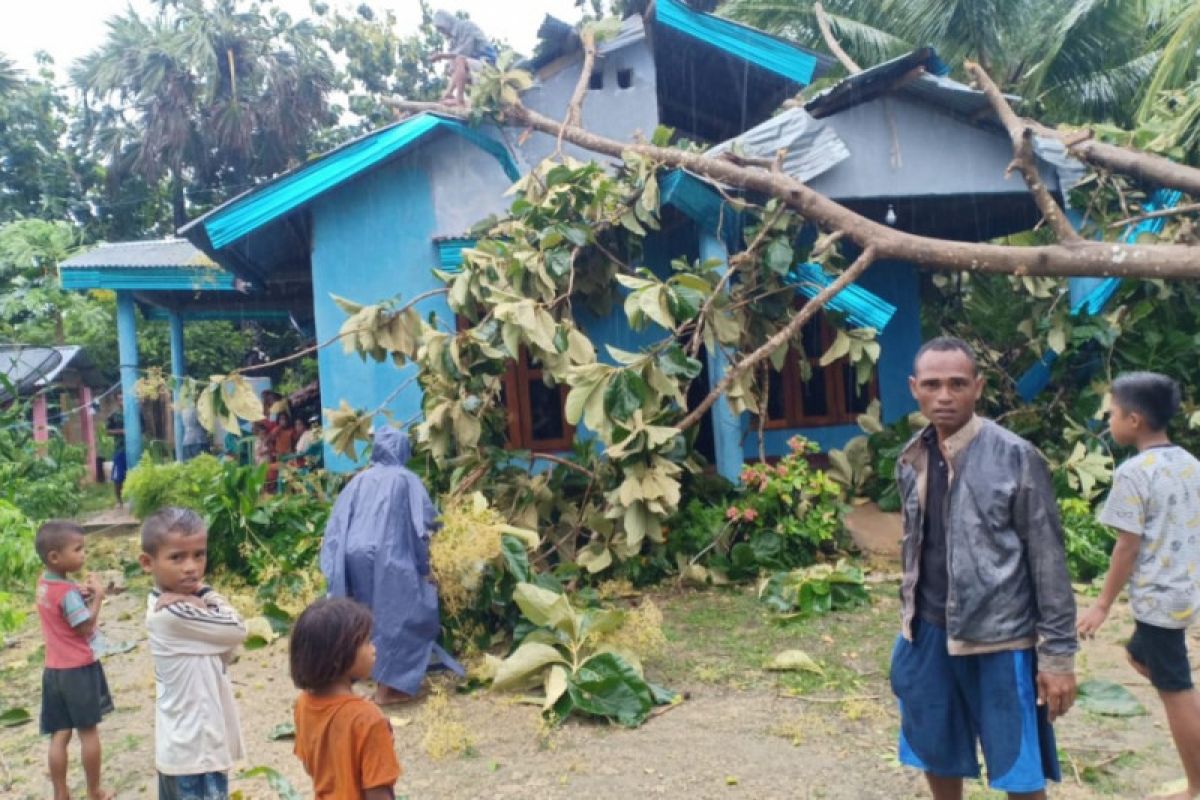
<point x="1154" y="505"/>
<point x="194" y="633"/>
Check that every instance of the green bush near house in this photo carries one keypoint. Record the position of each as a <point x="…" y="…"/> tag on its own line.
<point x="154" y="485"/>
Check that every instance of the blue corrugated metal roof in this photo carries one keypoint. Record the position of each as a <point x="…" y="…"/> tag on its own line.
<point x="1037" y="377"/>
<point x="862" y="308"/>
<point x="760" y="49"/>
<point x="242" y="215"/>
<point x="697" y="199"/>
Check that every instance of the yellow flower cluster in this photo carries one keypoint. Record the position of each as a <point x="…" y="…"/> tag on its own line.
<point x="459" y="553"/>
<point x="445" y="732"/>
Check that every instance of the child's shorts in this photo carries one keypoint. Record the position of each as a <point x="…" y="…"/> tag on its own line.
<point x="947" y="703"/>
<point x="74" y="699"/>
<point x="205" y="786"/>
<point x="1163" y="652"/>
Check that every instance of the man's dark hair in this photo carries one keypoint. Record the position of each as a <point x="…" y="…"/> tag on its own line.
<point x="53" y="536"/>
<point x="947" y="344"/>
<point x="166" y="521"/>
<point x="1154" y="397"/>
<point x="325" y="641"/>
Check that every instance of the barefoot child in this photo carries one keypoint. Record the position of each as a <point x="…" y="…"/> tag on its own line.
<point x="1154" y="505"/>
<point x="193" y="635"/>
<point x="343" y="740"/>
<point x="74" y="692"/>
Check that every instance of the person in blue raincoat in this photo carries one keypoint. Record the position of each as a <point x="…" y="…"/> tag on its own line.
<point x="376" y="551"/>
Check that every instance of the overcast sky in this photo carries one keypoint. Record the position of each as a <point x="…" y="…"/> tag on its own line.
<point x="68" y="29"/>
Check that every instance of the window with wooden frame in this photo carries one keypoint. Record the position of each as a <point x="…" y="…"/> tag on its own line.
<point x="537" y="415"/>
<point x="830" y="396"/>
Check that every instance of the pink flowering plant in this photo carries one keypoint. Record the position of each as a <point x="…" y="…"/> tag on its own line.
<point x="784" y="514"/>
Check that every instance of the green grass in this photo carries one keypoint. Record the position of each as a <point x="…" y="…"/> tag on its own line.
<point x="725" y="637"/>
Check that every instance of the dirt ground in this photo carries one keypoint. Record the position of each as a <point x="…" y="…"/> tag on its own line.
<point x="742" y="733"/>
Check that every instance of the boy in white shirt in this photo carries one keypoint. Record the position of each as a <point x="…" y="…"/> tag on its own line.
<point x="193" y="635"/>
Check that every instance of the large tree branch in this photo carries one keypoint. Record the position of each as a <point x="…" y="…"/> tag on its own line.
<point x="831" y="41"/>
<point x="1023" y="161"/>
<point x="781" y="337"/>
<point x="1066" y="259"/>
<point x="575" y="106"/>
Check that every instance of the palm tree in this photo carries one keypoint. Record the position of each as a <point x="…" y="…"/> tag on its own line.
<point x="205" y="94"/>
<point x="1071" y="59"/>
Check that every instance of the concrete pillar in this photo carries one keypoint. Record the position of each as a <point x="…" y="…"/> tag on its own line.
<point x="128" y="356"/>
<point x="178" y="370"/>
<point x="41" y="423"/>
<point x="87" y="429"/>
<point x="727" y="427"/>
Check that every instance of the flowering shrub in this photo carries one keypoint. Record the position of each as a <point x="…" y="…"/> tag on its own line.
<point x="785" y="513"/>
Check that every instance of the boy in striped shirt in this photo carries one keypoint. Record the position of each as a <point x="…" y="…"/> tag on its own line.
<point x="194" y="633"/>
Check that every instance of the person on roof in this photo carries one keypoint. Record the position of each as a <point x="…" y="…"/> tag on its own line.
<point x="376" y="551"/>
<point x="467" y="48"/>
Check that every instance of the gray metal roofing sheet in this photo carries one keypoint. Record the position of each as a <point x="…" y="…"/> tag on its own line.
<point x="135" y="255"/>
<point x="812" y="146"/>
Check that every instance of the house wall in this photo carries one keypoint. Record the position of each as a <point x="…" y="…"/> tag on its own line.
<point x="610" y="111"/>
<point x="937" y="154"/>
<point x="897" y="282"/>
<point x="373" y="240"/>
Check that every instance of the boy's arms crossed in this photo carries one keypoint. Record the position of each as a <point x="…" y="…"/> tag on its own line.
<point x="203" y="617"/>
<point x="1120" y="568"/>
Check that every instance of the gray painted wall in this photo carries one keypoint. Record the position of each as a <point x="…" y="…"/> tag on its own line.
<point x="468" y="184"/>
<point x="609" y="111"/>
<point x="938" y="154"/>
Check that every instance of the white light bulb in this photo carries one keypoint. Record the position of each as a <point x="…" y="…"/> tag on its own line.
<point x="890" y="217"/>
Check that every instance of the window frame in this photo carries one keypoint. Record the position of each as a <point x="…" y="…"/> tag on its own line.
<point x="836" y="376"/>
<point x="518" y="406"/>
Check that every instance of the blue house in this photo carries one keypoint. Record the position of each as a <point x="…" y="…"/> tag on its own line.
<point x="373" y="218"/>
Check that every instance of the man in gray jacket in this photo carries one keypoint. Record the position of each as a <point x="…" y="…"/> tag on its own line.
<point x="987" y="647"/>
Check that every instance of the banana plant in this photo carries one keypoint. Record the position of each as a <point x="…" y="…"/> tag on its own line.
<point x="568" y="657"/>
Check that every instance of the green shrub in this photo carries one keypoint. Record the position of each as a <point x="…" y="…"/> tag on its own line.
<point x="42" y="480"/>
<point x="786" y="513"/>
<point x="152" y="485"/>
<point x="19" y="566"/>
<point x="267" y="539"/>
<point x="1088" y="543"/>
<point x="815" y="590"/>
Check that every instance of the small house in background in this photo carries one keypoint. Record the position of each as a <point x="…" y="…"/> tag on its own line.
<point x="371" y="219"/>
<point x="59" y="383"/>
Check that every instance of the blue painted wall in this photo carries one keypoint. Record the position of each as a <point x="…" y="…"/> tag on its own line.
<point x="372" y="239"/>
<point x="897" y="282"/>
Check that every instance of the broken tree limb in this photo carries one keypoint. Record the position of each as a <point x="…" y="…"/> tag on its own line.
<point x="831" y="41"/>
<point x="1066" y="259"/>
<point x="1190" y="208"/>
<point x="574" y="116"/>
<point x="780" y="338"/>
<point x="1023" y="161"/>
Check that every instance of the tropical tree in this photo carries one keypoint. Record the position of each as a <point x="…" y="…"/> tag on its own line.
<point x="380" y="62"/>
<point x="38" y="176"/>
<point x="206" y="96"/>
<point x="1074" y="60"/>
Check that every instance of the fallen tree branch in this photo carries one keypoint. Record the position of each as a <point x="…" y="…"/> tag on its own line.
<point x="1162" y="212"/>
<point x="780" y="338"/>
<point x="1023" y="161"/>
<point x="831" y="41"/>
<point x="582" y="470"/>
<point x="574" y="116"/>
<point x="1065" y="259"/>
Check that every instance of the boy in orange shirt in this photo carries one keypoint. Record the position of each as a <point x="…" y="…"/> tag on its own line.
<point x="343" y="740"/>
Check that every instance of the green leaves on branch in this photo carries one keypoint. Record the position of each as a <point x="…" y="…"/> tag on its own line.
<point x="858" y="345"/>
<point x="815" y="590"/>
<point x="572" y="657"/>
<point x="226" y="400"/>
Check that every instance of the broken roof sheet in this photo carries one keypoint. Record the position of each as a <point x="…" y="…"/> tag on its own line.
<point x="811" y="147"/>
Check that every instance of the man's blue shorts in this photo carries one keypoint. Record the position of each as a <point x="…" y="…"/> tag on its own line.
<point x="947" y="703"/>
